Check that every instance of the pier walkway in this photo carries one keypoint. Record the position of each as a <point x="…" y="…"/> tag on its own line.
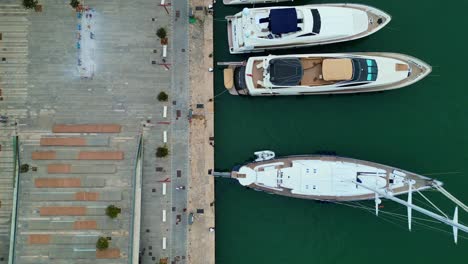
<point x="201" y="239"/>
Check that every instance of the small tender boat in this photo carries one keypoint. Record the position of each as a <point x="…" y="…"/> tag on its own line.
<point x="247" y="2"/>
<point x="263" y="28"/>
<point x="312" y="74"/>
<point x="264" y="155"/>
<point x="339" y="179"/>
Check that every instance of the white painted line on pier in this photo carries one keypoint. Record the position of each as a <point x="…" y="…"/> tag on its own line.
<point x="165" y="112"/>
<point x="165" y="136"/>
<point x="164" y="51"/>
<point x="164" y="188"/>
<point x="164" y="215"/>
<point x="164" y="243"/>
<point x="163" y="2"/>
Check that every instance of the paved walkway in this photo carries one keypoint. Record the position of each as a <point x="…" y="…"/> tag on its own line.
<point x="48" y="90"/>
<point x="180" y="127"/>
<point x="201" y="194"/>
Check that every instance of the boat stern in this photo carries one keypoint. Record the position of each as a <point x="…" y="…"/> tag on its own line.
<point x="244" y="175"/>
<point x="238" y="43"/>
<point x="233" y="81"/>
<point x="230" y="31"/>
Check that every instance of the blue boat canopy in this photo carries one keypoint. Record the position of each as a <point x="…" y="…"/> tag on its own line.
<point x="286" y="71"/>
<point x="283" y="20"/>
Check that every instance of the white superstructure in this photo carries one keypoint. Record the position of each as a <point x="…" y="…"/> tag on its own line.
<point x="309" y="74"/>
<point x="259" y="29"/>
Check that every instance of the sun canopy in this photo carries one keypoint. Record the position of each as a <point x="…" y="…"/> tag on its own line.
<point x="285" y="71"/>
<point x="283" y="20"/>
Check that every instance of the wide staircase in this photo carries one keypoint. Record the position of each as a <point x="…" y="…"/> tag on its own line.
<point x="13" y="92"/>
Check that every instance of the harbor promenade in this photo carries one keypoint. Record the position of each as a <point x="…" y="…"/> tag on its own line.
<point x="201" y="238"/>
<point x="88" y="166"/>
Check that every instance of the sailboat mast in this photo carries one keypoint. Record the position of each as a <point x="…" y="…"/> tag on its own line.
<point x="417" y="208"/>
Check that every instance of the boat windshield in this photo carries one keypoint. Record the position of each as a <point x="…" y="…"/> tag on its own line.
<point x="285" y="71"/>
<point x="364" y="70"/>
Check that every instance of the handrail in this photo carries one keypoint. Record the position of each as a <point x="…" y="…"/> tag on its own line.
<point x="16" y="172"/>
<point x="136" y="209"/>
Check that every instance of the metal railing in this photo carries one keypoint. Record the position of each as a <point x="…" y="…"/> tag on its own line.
<point x="134" y="247"/>
<point x="16" y="171"/>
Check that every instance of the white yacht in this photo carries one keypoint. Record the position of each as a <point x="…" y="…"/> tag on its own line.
<point x="247" y="2"/>
<point x="327" y="178"/>
<point x="263" y="28"/>
<point x="312" y="74"/>
<point x="337" y="179"/>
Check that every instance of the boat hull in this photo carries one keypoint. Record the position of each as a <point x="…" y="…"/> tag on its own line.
<point x="419" y="182"/>
<point x="234" y="30"/>
<point x="415" y="71"/>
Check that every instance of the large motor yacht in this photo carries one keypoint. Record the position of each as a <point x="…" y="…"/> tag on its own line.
<point x="312" y="74"/>
<point x="327" y="178"/>
<point x="246" y="2"/>
<point x="259" y="29"/>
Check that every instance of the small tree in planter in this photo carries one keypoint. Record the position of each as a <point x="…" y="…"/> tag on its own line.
<point x="74" y="3"/>
<point x="24" y="168"/>
<point x="113" y="211"/>
<point x="162" y="97"/>
<point x="102" y="243"/>
<point x="162" y="34"/>
<point x="30" y="4"/>
<point x="162" y="152"/>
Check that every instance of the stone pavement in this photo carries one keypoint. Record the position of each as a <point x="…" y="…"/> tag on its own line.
<point x="13" y="90"/>
<point x="180" y="127"/>
<point x="45" y="89"/>
<point x="123" y="91"/>
<point x="201" y="248"/>
<point x="64" y="195"/>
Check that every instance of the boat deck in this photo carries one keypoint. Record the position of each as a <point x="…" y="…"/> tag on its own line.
<point x="420" y="181"/>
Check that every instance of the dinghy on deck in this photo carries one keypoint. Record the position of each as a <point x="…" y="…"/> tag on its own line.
<point x="264" y="155"/>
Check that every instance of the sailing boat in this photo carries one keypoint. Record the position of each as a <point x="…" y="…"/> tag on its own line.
<point x="339" y="179"/>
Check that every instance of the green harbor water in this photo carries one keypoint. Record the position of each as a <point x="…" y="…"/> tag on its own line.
<point x="421" y="128"/>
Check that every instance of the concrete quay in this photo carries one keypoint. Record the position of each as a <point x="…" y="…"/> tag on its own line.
<point x="201" y="238"/>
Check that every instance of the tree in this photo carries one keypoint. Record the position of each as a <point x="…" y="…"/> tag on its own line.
<point x="162" y="152"/>
<point x="161" y="33"/>
<point x="113" y="211"/>
<point x="24" y="168"/>
<point x="74" y="3"/>
<point x="162" y="97"/>
<point x="30" y="4"/>
<point x="102" y="243"/>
